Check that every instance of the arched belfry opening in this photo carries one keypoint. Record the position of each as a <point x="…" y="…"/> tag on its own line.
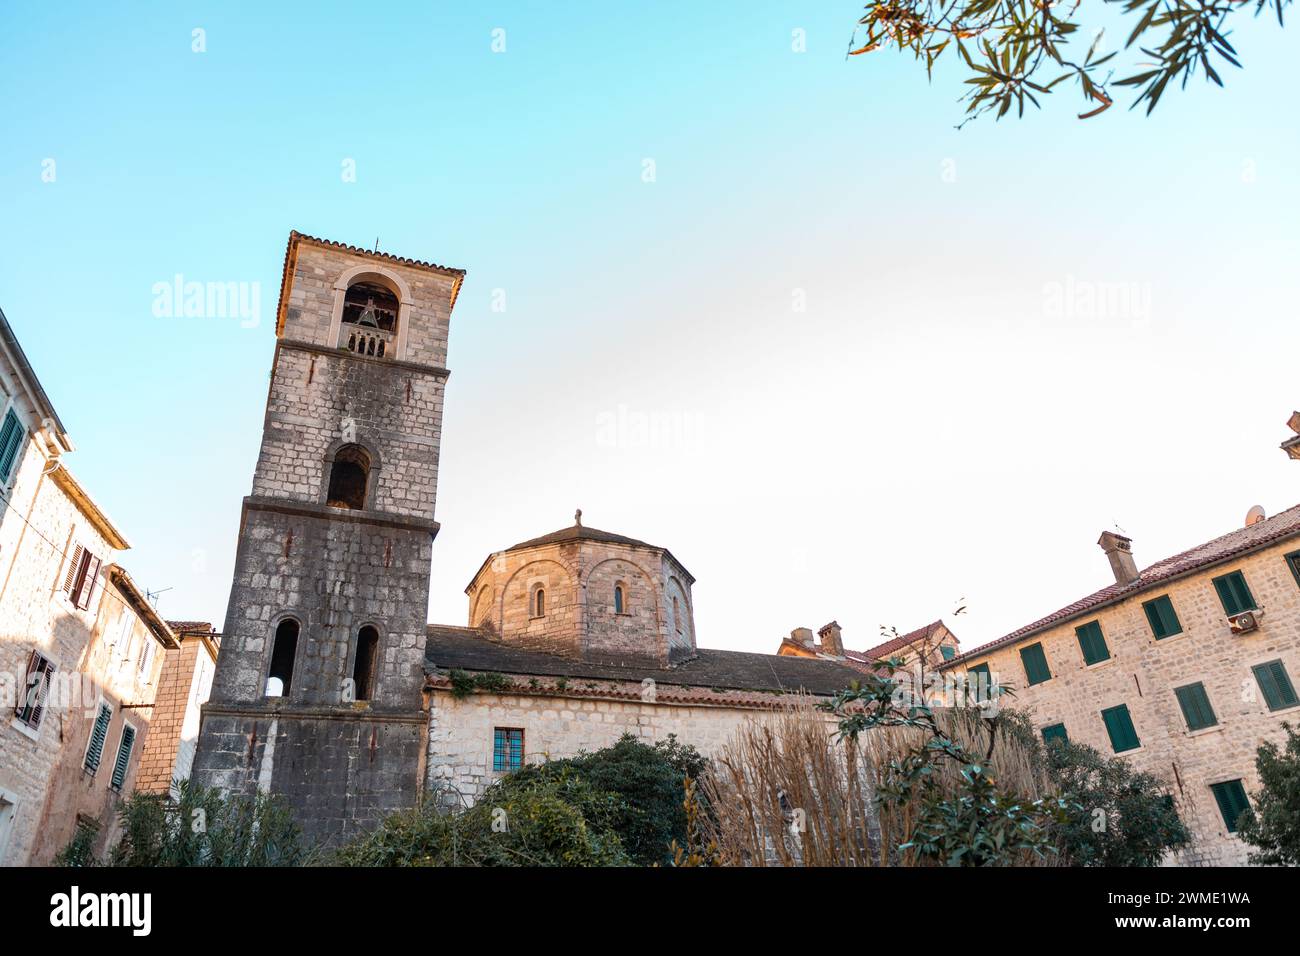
<point x="284" y="650"/>
<point x="363" y="667"/>
<point x="349" y="478"/>
<point x="369" y="325"/>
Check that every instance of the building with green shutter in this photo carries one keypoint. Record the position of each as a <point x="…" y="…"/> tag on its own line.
<point x="1183" y="668"/>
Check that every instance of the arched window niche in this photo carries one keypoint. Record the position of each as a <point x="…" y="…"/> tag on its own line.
<point x="284" y="650"/>
<point x="349" y="478"/>
<point x="538" y="603"/>
<point x="620" y="599"/>
<point x="363" y="665"/>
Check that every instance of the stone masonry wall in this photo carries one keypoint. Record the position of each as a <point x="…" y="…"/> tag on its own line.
<point x="35" y="614"/>
<point x="461" y="731"/>
<point x="1143" y="672"/>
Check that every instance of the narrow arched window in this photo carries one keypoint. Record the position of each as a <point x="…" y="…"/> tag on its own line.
<point x="363" y="668"/>
<point x="283" y="651"/>
<point x="349" y="476"/>
<point x="677" y="615"/>
<point x="539" y="602"/>
<point x="618" y="599"/>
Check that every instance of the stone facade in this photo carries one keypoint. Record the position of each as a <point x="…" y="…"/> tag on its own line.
<point x="184" y="685"/>
<point x="1142" y="672"/>
<point x="120" y="671"/>
<point x="604" y="597"/>
<point x="335" y="545"/>
<point x="557" y="725"/>
<point x="62" y="597"/>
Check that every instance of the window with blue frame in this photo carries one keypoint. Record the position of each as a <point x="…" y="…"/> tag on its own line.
<point x="507" y="749"/>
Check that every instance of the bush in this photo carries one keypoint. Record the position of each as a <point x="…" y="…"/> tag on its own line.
<point x="199" y="827"/>
<point x="618" y="806"/>
<point x="1274" y="827"/>
<point x="527" y="819"/>
<point x="1117" y="816"/>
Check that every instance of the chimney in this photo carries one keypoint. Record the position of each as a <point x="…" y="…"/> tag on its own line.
<point x="832" y="643"/>
<point x="802" y="635"/>
<point x="1119" y="550"/>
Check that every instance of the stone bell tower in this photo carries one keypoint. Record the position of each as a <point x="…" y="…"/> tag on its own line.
<point x="317" y="693"/>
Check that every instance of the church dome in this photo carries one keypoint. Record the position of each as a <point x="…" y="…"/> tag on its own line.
<point x="586" y="593"/>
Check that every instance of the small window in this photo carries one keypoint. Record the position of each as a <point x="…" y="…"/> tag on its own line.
<point x="677" y="614"/>
<point x="1234" y="594"/>
<point x="12" y="436"/>
<point x="283" y="651"/>
<point x="1035" y="661"/>
<point x="31" y="704"/>
<point x="1092" y="643"/>
<point x="123" y="762"/>
<point x="1275" y="684"/>
<point x="363" y="668"/>
<point x="145" y="662"/>
<point x="349" y="475"/>
<point x="1119" y="725"/>
<point x="80" y="577"/>
<point x="507" y="749"/>
<point x="981" y="670"/>
<point x="1196" y="706"/>
<point x="1293" y="562"/>
<point x="539" y="603"/>
<point x="1231" y="798"/>
<point x="98" y="736"/>
<point x="1160" y="615"/>
<point x="947" y="651"/>
<point x="1055" y="732"/>
<point x="618" y="599"/>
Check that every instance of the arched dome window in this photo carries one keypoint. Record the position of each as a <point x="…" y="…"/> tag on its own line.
<point x="369" y="320"/>
<point x="619" y="606"/>
<point x="349" y="477"/>
<point x="363" y="667"/>
<point x="539" y="602"/>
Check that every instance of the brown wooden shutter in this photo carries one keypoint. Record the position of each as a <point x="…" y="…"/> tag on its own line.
<point x="74" y="566"/>
<point x="86" y="580"/>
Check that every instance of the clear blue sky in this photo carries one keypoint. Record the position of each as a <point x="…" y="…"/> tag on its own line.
<point x="934" y="425"/>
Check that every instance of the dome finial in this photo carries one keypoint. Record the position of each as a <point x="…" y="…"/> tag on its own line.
<point x="577" y="518"/>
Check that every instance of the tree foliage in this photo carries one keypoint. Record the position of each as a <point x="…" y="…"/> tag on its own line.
<point x="1273" y="826"/>
<point x="618" y="806"/>
<point x="200" y="826"/>
<point x="1021" y="50"/>
<point x="966" y="820"/>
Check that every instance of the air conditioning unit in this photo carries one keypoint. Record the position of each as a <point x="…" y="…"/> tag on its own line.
<point x="1245" y="622"/>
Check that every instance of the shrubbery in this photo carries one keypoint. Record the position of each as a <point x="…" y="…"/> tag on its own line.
<point x="201" y="826"/>
<point x="620" y="806"/>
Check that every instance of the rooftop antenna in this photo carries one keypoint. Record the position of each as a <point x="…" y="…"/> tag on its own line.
<point x="376" y="243"/>
<point x="152" y="596"/>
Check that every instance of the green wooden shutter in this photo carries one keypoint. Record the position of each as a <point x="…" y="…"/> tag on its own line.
<point x="1234" y="594"/>
<point x="1276" y="685"/>
<point x="1035" y="661"/>
<point x="1231" y="798"/>
<point x="1092" y="643"/>
<point x="123" y="761"/>
<point x="11" y="441"/>
<point x="1119" y="726"/>
<point x="1293" y="562"/>
<point x="1196" y="706"/>
<point x="1160" y="615"/>
<point x="1055" y="732"/>
<point x="98" y="734"/>
<point x="947" y="651"/>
